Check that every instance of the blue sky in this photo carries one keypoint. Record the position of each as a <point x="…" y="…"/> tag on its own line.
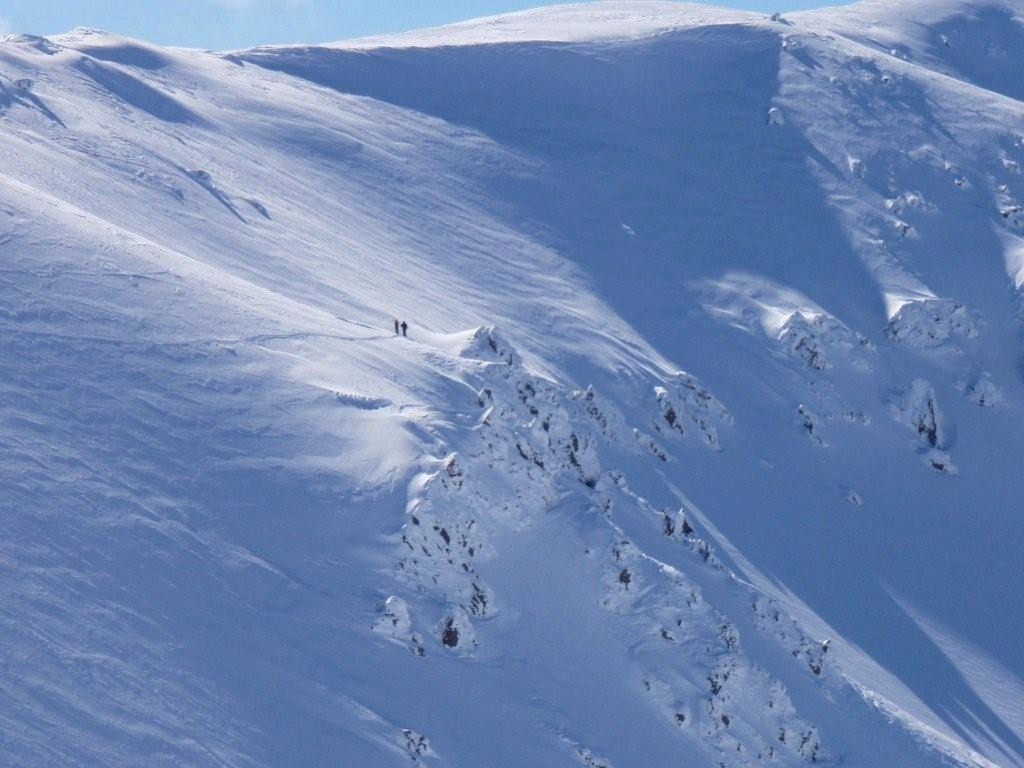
<point x="221" y="24"/>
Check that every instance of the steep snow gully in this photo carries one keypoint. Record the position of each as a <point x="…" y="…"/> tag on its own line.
<point x="725" y="472"/>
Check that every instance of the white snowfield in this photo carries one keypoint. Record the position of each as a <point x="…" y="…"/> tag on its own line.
<point x="603" y="21"/>
<point x="704" y="447"/>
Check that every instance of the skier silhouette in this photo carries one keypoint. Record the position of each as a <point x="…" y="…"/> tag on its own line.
<point x="405" y="327"/>
<point x="396" y="326"/>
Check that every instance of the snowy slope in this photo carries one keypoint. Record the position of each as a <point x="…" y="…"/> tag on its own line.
<point x="704" y="448"/>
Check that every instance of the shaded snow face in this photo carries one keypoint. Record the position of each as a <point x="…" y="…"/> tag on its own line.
<point x="726" y="471"/>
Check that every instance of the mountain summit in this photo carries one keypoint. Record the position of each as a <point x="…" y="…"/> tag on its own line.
<point x="702" y="446"/>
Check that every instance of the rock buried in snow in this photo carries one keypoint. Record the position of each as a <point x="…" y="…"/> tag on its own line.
<point x="919" y="410"/>
<point x="455" y="632"/>
<point x="912" y="201"/>
<point x="813" y="340"/>
<point x="396" y="623"/>
<point x="941" y="462"/>
<point x="590" y="760"/>
<point x="982" y="391"/>
<point x="416" y="745"/>
<point x="931" y="323"/>
<point x="201" y="176"/>
<point x="488" y="344"/>
<point x="690" y="403"/>
<point x="809" y="421"/>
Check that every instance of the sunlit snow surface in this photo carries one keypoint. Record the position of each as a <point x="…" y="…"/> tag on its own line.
<point x="704" y="448"/>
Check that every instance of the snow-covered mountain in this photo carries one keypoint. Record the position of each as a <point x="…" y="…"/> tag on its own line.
<point x="704" y="448"/>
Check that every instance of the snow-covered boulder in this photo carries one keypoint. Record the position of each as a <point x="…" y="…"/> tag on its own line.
<point x="455" y="632"/>
<point x="685" y="402"/>
<point x="931" y="323"/>
<point x="918" y="409"/>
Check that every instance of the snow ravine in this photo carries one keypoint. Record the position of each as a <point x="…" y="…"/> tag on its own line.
<point x="704" y="447"/>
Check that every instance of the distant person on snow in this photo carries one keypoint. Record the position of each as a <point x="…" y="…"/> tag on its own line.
<point x="405" y="327"/>
<point x="396" y="326"/>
